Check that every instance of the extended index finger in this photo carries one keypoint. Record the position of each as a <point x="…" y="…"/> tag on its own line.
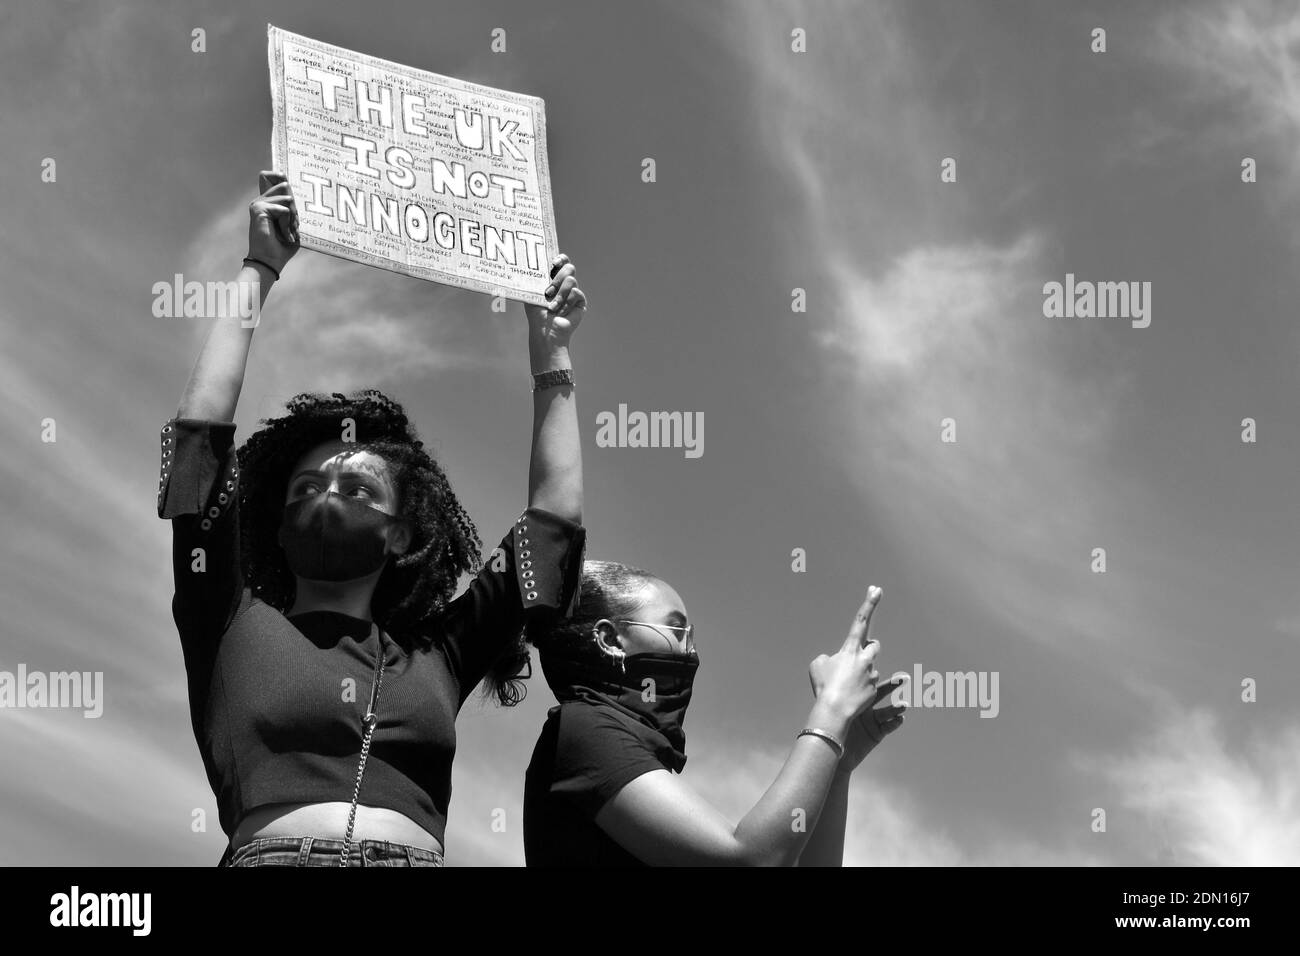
<point x="860" y="629"/>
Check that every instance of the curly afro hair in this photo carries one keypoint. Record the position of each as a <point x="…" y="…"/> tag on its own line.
<point x="415" y="587"/>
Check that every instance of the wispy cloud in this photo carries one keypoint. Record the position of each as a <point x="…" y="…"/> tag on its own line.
<point x="95" y="501"/>
<point x="1205" y="800"/>
<point x="916" y="327"/>
<point x="917" y="343"/>
<point x="1241" y="63"/>
<point x="126" y="795"/>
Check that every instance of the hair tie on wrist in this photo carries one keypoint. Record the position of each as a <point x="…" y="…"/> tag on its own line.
<point x="261" y="263"/>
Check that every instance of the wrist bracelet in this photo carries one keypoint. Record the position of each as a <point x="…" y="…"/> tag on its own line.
<point x="549" y="379"/>
<point x="266" y="264"/>
<point x="828" y="737"/>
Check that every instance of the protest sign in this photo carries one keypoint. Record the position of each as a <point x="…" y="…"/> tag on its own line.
<point x="414" y="172"/>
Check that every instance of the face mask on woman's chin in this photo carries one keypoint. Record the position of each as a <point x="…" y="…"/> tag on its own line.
<point x="673" y="673"/>
<point x="331" y="537"/>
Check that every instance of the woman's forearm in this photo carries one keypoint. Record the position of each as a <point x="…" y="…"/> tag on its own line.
<point x="825" y="845"/>
<point x="213" y="389"/>
<point x="778" y="828"/>
<point x="555" y="465"/>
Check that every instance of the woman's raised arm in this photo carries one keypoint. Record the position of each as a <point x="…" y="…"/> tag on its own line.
<point x="213" y="389"/>
<point x="555" y="466"/>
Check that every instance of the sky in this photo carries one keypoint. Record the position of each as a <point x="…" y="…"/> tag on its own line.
<point x="1120" y="692"/>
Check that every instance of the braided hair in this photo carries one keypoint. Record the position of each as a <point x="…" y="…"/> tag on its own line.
<point x="415" y="587"/>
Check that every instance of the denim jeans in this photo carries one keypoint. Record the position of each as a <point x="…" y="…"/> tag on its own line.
<point x="311" y="851"/>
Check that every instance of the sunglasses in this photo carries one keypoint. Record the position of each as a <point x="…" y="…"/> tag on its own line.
<point x="686" y="638"/>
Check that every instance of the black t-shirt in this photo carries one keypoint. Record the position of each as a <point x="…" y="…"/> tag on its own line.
<point x="587" y="752"/>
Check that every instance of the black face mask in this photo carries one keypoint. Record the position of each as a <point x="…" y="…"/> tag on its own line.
<point x="331" y="537"/>
<point x="653" y="688"/>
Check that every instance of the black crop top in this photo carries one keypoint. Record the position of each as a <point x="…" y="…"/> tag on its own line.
<point x="276" y="702"/>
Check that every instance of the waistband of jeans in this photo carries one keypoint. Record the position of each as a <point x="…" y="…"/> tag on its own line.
<point x="383" y="848"/>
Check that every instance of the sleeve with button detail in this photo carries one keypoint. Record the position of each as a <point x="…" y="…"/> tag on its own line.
<point x="528" y="581"/>
<point x="198" y="490"/>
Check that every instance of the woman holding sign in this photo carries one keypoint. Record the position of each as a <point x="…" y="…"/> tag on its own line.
<point x="602" y="789"/>
<point x="314" y="571"/>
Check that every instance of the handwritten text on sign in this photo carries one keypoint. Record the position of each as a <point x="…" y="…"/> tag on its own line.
<point x="414" y="172"/>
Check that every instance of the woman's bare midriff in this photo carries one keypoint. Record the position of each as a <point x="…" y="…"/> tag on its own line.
<point x="329" y="821"/>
